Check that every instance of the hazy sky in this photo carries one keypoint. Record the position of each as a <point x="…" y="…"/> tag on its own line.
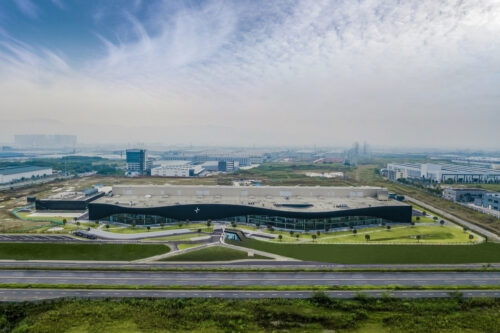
<point x="400" y="73"/>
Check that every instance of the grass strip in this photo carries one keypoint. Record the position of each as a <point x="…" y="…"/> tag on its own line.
<point x="250" y="270"/>
<point x="78" y="251"/>
<point x="244" y="288"/>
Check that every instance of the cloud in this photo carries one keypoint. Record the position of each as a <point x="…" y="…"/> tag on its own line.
<point x="28" y="8"/>
<point x="292" y="71"/>
<point x="59" y="4"/>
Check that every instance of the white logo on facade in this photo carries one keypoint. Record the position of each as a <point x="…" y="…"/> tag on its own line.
<point x="196" y="210"/>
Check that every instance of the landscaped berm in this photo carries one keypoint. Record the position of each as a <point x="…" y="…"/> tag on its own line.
<point x="380" y="254"/>
<point x="57" y="251"/>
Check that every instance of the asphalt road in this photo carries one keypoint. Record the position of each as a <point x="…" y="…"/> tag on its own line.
<point x="239" y="265"/>
<point x="20" y="295"/>
<point x="249" y="278"/>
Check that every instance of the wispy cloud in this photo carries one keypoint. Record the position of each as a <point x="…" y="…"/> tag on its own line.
<point x="334" y="70"/>
<point x="28" y="8"/>
<point x="59" y="3"/>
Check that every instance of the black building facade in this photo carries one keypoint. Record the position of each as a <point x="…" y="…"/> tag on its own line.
<point x="286" y="219"/>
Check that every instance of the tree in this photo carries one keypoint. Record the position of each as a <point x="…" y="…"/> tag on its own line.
<point x="388" y="227"/>
<point x="441" y="222"/>
<point x="327" y="228"/>
<point x="64" y="221"/>
<point x="318" y="233"/>
<point x="78" y="223"/>
<point x="233" y="224"/>
<point x="291" y="233"/>
<point x="465" y="229"/>
<point x="199" y="230"/>
<point x="280" y="237"/>
<point x="148" y="227"/>
<point x="471" y="236"/>
<point x="435" y="218"/>
<point x="367" y="237"/>
<point x="180" y="224"/>
<point x="107" y="226"/>
<point x="418" y="238"/>
<point x="417" y="218"/>
<point x="297" y="236"/>
<point x="209" y="223"/>
<point x="355" y="231"/>
<point x="424" y="213"/>
<point x="162" y="225"/>
<point x="133" y="225"/>
<point x="314" y="237"/>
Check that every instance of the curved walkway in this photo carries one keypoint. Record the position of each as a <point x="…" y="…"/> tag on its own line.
<point x="112" y="235"/>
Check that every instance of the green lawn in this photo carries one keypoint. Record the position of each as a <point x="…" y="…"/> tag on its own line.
<point x="186" y="246"/>
<point x="184" y="237"/>
<point x="432" y="234"/>
<point x="318" y="314"/>
<point x="55" y="251"/>
<point x="423" y="219"/>
<point x="428" y="234"/>
<point x="213" y="253"/>
<point x="381" y="254"/>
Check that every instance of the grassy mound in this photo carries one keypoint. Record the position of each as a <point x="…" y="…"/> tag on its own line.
<point x="56" y="251"/>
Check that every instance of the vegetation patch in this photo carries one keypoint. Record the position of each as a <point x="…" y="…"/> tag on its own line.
<point x="60" y="251"/>
<point x="317" y="314"/>
<point x="381" y="254"/>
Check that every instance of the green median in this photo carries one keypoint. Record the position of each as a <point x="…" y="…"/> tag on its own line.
<point x="245" y="288"/>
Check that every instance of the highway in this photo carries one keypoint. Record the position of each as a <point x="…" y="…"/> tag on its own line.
<point x="237" y="265"/>
<point x="21" y="295"/>
<point x="194" y="278"/>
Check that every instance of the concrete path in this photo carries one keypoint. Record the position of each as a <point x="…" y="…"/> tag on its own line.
<point x="112" y="235"/>
<point x="491" y="236"/>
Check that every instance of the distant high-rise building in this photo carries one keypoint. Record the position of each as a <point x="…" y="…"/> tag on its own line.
<point x="45" y="141"/>
<point x="136" y="162"/>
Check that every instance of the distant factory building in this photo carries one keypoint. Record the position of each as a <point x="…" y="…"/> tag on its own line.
<point x="491" y="200"/>
<point x="211" y="166"/>
<point x="443" y="173"/>
<point x="137" y="162"/>
<point x="187" y="170"/>
<point x="13" y="174"/>
<point x="228" y="166"/>
<point x="463" y="194"/>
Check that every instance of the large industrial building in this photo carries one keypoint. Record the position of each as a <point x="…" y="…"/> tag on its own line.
<point x="13" y="174"/>
<point x="68" y="200"/>
<point x="294" y="208"/>
<point x="442" y="173"/>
